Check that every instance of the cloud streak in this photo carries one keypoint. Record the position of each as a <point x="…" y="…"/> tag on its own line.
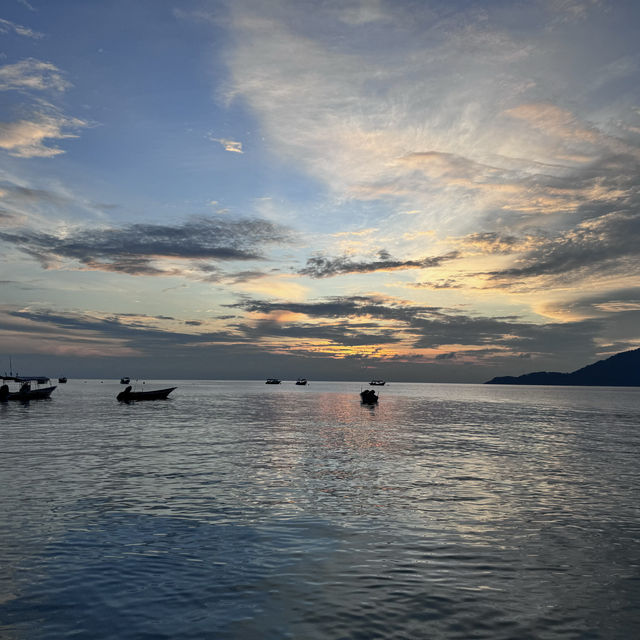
<point x="322" y="267"/>
<point x="6" y="26"/>
<point x="133" y="249"/>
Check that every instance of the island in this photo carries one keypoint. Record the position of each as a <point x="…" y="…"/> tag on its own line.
<point x="620" y="370"/>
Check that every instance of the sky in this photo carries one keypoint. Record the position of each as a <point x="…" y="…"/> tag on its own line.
<point x="428" y="191"/>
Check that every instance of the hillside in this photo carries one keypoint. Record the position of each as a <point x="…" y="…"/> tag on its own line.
<point x="620" y="370"/>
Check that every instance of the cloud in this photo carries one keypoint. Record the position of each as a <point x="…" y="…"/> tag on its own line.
<point x="344" y="307"/>
<point x="32" y="74"/>
<point x="445" y="283"/>
<point x="229" y="145"/>
<point x="7" y="217"/>
<point x="617" y="311"/>
<point x="452" y="169"/>
<point x="246" y="276"/>
<point x="551" y="119"/>
<point x="572" y="10"/>
<point x="492" y="242"/>
<point x="6" y="26"/>
<point x="455" y="113"/>
<point x="600" y="304"/>
<point x="601" y="245"/>
<point x="363" y="13"/>
<point x="26" y="4"/>
<point x="26" y="138"/>
<point x="142" y="330"/>
<point x="341" y="333"/>
<point x="322" y="267"/>
<point x="134" y="249"/>
<point x="20" y="195"/>
<point x="366" y="328"/>
<point x="430" y="329"/>
<point x="43" y="122"/>
<point x="349" y="111"/>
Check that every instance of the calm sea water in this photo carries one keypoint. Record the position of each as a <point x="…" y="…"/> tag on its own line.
<point x="240" y="510"/>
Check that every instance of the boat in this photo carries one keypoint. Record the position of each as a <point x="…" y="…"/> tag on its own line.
<point x="301" y="381"/>
<point x="157" y="394"/>
<point x="272" y="381"/>
<point x="369" y="396"/>
<point x="62" y="380"/>
<point x="377" y="383"/>
<point x="125" y="380"/>
<point x="25" y="392"/>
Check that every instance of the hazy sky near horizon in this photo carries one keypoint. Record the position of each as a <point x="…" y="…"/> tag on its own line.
<point x="425" y="190"/>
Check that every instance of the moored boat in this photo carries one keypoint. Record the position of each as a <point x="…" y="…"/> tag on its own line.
<point x="301" y="381"/>
<point x="62" y="380"/>
<point x="377" y="383"/>
<point x="272" y="381"/>
<point x="125" y="380"/>
<point x="368" y="396"/>
<point x="26" y="392"/>
<point x="157" y="394"/>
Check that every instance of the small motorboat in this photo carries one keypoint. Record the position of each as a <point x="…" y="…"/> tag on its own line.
<point x="62" y="380"/>
<point x="25" y="392"/>
<point x="272" y="381"/>
<point x="369" y="396"/>
<point x="158" y="394"/>
<point x="125" y="380"/>
<point x="301" y="381"/>
<point x="377" y="383"/>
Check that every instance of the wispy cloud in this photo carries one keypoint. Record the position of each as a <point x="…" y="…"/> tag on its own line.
<point x="573" y="10"/>
<point x="599" y="305"/>
<point x="28" y="138"/>
<point x="455" y="119"/>
<point x="6" y="26"/>
<point x="363" y="13"/>
<point x="322" y="267"/>
<point x="27" y="4"/>
<point x="32" y="74"/>
<point x="32" y="135"/>
<point x="346" y="114"/>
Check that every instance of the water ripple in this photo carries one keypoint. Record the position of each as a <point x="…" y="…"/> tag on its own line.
<point x="235" y="511"/>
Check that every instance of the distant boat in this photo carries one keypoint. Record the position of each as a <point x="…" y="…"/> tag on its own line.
<point x="62" y="380"/>
<point x="125" y="380"/>
<point x="369" y="396"/>
<point x="25" y="392"/>
<point x="158" y="394"/>
<point x="272" y="381"/>
<point x="377" y="383"/>
<point x="301" y="381"/>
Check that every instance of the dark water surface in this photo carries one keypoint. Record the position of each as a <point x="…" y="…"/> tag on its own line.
<point x="239" y="510"/>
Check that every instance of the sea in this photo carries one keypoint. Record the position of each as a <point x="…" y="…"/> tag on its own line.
<point x="239" y="510"/>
